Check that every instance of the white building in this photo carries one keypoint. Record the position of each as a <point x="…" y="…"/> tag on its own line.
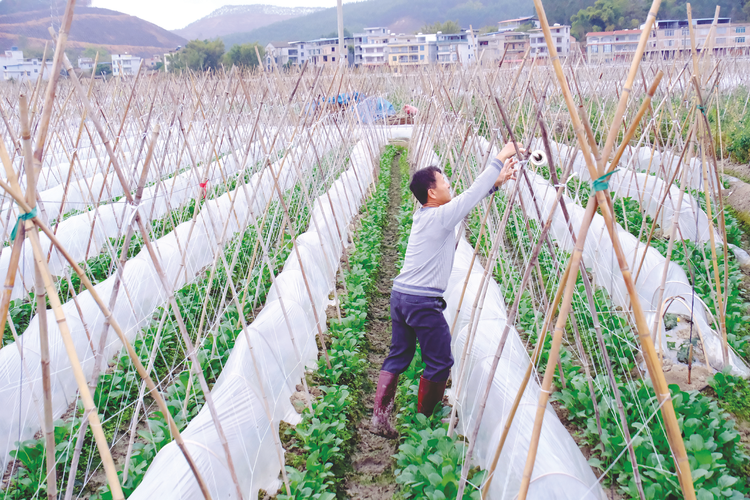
<point x="371" y="47"/>
<point x="85" y="63"/>
<point x="128" y="63"/>
<point x="455" y="47"/>
<point x="15" y="67"/>
<point x="411" y="50"/>
<point x="278" y="54"/>
<point x="560" y="36"/>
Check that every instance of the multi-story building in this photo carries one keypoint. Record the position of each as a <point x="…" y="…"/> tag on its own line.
<point x="85" y="63"/>
<point x="300" y="54"/>
<point x="412" y="50"/>
<point x="611" y="46"/>
<point x="492" y="46"/>
<point x="324" y="51"/>
<point x="278" y="54"/>
<point x="517" y="44"/>
<point x="15" y="67"/>
<point x="125" y="64"/>
<point x="669" y="39"/>
<point x="560" y="36"/>
<point x="455" y="47"/>
<point x="514" y="24"/>
<point x="371" y="47"/>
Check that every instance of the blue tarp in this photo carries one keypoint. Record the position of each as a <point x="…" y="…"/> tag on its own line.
<point x="374" y="109"/>
<point x="345" y="98"/>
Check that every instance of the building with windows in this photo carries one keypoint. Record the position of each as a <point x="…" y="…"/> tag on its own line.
<point x="412" y="50"/>
<point x="85" y="63"/>
<point x="455" y="47"/>
<point x="324" y="51"/>
<point x="517" y="44"/>
<point x="125" y="64"/>
<point x="560" y="36"/>
<point x="14" y="67"/>
<point x="492" y="46"/>
<point x="610" y="46"/>
<point x="371" y="47"/>
<point x="669" y="39"/>
<point x="300" y="54"/>
<point x="279" y="54"/>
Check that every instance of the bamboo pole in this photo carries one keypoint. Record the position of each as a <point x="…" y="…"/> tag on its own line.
<point x="720" y="297"/>
<point x="48" y="426"/>
<point x="49" y="94"/>
<point x="654" y="369"/>
<point x="49" y="287"/>
<point x="93" y="416"/>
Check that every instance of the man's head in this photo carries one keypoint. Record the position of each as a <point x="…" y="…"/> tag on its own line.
<point x="429" y="185"/>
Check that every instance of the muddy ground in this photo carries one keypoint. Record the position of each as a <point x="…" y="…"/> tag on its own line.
<point x="372" y="477"/>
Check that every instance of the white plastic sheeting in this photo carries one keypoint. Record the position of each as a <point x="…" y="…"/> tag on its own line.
<point x="110" y="220"/>
<point x="21" y="391"/>
<point x="84" y="184"/>
<point x="237" y="393"/>
<point x="599" y="256"/>
<point x="560" y="470"/>
<point x="647" y="189"/>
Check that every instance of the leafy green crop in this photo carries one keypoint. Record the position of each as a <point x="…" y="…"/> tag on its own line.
<point x="733" y="393"/>
<point x="318" y="446"/>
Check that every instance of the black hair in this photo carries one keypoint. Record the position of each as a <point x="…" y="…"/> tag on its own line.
<point x="422" y="181"/>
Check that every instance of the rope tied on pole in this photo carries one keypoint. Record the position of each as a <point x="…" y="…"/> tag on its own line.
<point x="23" y="217"/>
<point x="203" y="185"/>
<point x="701" y="108"/>
<point x="602" y="183"/>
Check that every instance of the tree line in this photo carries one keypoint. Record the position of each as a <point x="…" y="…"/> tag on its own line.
<point x="609" y="15"/>
<point x="206" y="55"/>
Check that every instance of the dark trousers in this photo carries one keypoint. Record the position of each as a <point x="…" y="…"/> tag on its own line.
<point x="419" y="318"/>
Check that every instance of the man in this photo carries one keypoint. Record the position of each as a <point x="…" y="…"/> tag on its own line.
<point x="417" y="300"/>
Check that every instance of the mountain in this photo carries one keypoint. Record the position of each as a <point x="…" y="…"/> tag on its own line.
<point x="235" y="18"/>
<point x="401" y="16"/>
<point x="92" y="27"/>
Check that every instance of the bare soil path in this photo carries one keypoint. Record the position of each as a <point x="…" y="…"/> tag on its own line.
<point x="372" y="477"/>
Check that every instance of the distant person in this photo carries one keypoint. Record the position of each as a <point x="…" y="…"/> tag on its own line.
<point x="417" y="299"/>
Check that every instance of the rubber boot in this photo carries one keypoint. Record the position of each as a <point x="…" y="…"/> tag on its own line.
<point x="380" y="424"/>
<point x="430" y="394"/>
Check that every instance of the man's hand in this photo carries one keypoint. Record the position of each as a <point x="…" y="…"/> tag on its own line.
<point x="508" y="172"/>
<point x="508" y="151"/>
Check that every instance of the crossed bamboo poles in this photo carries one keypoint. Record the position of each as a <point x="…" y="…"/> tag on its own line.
<point x="457" y="76"/>
<point x="125" y="248"/>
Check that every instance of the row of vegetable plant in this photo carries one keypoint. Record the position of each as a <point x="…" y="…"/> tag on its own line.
<point x="118" y="388"/>
<point x="319" y="446"/>
<point x="719" y="461"/>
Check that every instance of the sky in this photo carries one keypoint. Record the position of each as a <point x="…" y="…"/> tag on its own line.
<point x="176" y="14"/>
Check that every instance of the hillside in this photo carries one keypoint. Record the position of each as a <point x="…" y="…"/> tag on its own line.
<point x="235" y="18"/>
<point x="401" y="16"/>
<point x="115" y="31"/>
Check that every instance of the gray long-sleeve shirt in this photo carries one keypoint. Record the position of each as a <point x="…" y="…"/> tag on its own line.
<point x="432" y="244"/>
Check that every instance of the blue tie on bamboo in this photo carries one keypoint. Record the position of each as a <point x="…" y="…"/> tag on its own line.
<point x="24" y="217"/>
<point x="602" y="183"/>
